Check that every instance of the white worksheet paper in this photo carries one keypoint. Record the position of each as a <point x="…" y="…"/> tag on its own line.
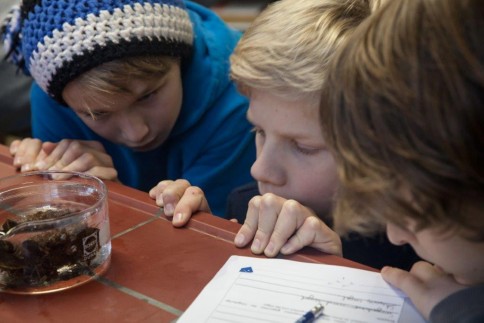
<point x="249" y="289"/>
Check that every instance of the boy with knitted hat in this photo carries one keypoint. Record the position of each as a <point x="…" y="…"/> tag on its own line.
<point x="132" y="90"/>
<point x="281" y="64"/>
<point x="404" y="121"/>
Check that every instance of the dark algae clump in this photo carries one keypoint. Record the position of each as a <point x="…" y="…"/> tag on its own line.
<point x="48" y="257"/>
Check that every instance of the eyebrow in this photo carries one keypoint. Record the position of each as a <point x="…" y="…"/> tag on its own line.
<point x="93" y="108"/>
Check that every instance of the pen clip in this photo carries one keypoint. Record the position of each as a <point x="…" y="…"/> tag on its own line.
<point x="311" y="315"/>
<point x="317" y="310"/>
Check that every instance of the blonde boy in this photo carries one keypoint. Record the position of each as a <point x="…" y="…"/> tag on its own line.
<point x="281" y="64"/>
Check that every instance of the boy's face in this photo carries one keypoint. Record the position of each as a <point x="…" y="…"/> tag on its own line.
<point x="292" y="157"/>
<point x="140" y="118"/>
<point x="454" y="254"/>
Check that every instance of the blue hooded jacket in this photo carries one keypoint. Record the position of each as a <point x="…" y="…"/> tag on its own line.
<point x="211" y="144"/>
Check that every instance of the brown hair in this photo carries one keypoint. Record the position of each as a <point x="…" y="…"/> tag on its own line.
<point x="403" y="110"/>
<point x="112" y="76"/>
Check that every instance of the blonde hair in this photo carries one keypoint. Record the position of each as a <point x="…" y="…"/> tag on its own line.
<point x="287" y="49"/>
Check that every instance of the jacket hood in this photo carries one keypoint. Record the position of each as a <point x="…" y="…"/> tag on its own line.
<point x="205" y="75"/>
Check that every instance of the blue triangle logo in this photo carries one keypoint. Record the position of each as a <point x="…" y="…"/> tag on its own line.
<point x="246" y="270"/>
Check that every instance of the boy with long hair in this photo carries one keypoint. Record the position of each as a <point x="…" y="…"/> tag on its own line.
<point x="404" y="121"/>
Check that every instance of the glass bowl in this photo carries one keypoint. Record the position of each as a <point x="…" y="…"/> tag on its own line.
<point x="54" y="231"/>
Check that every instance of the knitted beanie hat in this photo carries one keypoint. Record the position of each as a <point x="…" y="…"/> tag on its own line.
<point x="55" y="41"/>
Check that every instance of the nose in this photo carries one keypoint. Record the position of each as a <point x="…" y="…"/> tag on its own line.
<point x="267" y="167"/>
<point x="397" y="235"/>
<point x="133" y="127"/>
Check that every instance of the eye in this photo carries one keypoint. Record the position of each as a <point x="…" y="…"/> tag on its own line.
<point x="94" y="115"/>
<point x="147" y="96"/>
<point x="306" y="150"/>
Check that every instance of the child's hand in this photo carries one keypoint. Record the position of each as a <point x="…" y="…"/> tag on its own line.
<point x="425" y="284"/>
<point x="67" y="155"/>
<point x="179" y="200"/>
<point x="277" y="224"/>
<point x="26" y="152"/>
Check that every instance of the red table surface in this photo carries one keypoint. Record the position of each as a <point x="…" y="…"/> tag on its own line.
<point x="156" y="270"/>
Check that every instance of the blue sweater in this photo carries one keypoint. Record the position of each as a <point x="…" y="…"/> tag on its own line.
<point x="211" y="144"/>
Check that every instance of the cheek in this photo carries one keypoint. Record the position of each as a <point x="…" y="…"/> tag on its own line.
<point x="322" y="189"/>
<point x="320" y="175"/>
<point x="315" y="187"/>
<point x="163" y="115"/>
<point x="172" y="97"/>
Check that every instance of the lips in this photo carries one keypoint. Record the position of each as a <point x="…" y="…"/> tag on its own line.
<point x="150" y="145"/>
<point x="143" y="148"/>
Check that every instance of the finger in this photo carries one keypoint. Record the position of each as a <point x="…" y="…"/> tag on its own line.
<point x="106" y="173"/>
<point x="41" y="156"/>
<point x="55" y="155"/>
<point x="270" y="207"/>
<point x="68" y="151"/>
<point x="192" y="201"/>
<point x="26" y="153"/>
<point x="48" y="147"/>
<point x="46" y="150"/>
<point x="249" y="228"/>
<point x="290" y="218"/>
<point x="14" y="146"/>
<point x="425" y="271"/>
<point x="155" y="192"/>
<point x="87" y="163"/>
<point x="425" y="284"/>
<point x="315" y="233"/>
<point x="81" y="158"/>
<point x="401" y="279"/>
<point x="408" y="282"/>
<point x="93" y="145"/>
<point x="85" y="157"/>
<point x="172" y="194"/>
<point x="89" y="145"/>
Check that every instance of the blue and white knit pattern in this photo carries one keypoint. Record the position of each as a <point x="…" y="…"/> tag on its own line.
<point x="61" y="39"/>
<point x="10" y="30"/>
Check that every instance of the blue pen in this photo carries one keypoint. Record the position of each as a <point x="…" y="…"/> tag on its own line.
<point x="311" y="315"/>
